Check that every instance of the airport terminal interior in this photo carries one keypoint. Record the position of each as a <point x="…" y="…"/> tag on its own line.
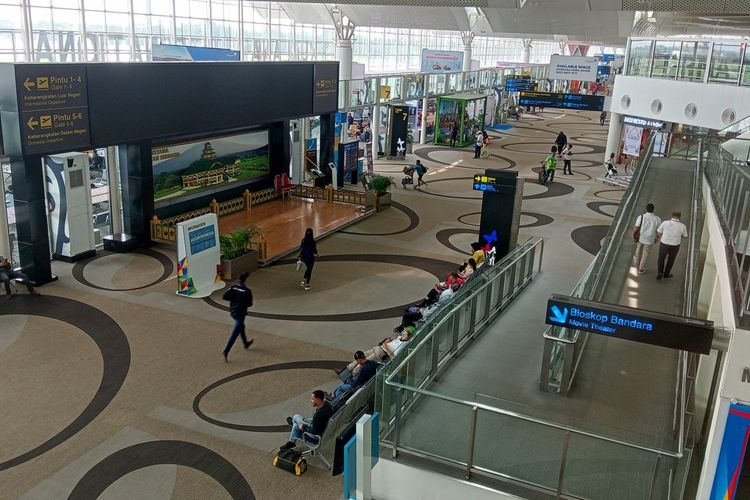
<point x="375" y="250"/>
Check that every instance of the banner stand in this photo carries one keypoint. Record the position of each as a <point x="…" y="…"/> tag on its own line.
<point x="198" y="257"/>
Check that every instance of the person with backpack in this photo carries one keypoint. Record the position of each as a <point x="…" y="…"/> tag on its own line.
<point x="550" y="163"/>
<point x="240" y="298"/>
<point x="420" y="170"/>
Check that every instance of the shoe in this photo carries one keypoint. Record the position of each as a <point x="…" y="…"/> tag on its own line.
<point x="641" y="271"/>
<point x="338" y="370"/>
<point x="34" y="292"/>
<point x="307" y="287"/>
<point x="302" y="283"/>
<point x="636" y="264"/>
<point x="289" y="421"/>
<point x="658" y="276"/>
<point x="8" y="296"/>
<point x="287" y="446"/>
<point x="667" y="276"/>
<point x="249" y="343"/>
<point x="226" y="357"/>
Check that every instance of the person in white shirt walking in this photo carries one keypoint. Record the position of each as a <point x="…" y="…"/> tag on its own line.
<point x="670" y="234"/>
<point x="644" y="234"/>
<point x="566" y="154"/>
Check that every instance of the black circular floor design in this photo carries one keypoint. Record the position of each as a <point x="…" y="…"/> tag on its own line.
<point x="579" y="163"/>
<point x="586" y="127"/>
<point x="139" y="456"/>
<point x="589" y="238"/>
<point x="575" y="177"/>
<point x="622" y="191"/>
<point x="166" y="264"/>
<point x="444" y="235"/>
<point x="461" y="217"/>
<point x="553" y="190"/>
<point x="468" y="181"/>
<point x="596" y="206"/>
<point x="108" y="337"/>
<point x="411" y="214"/>
<point x="291" y="365"/>
<point x="424" y="153"/>
<point x="509" y="147"/>
<point x="541" y="219"/>
<point x="438" y="268"/>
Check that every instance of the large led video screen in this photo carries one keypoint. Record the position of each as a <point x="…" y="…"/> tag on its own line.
<point x="193" y="169"/>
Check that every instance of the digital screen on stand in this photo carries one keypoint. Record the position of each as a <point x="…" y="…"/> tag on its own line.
<point x="562" y="101"/>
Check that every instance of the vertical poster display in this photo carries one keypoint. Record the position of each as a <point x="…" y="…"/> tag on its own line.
<point x="198" y="257"/>
<point x="732" y="465"/>
<point x="632" y="142"/>
<point x="399" y="130"/>
<point x="311" y="154"/>
<point x="368" y="158"/>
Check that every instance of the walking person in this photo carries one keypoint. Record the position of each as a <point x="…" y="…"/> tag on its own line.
<point x="550" y="164"/>
<point x="420" y="170"/>
<point x="308" y="250"/>
<point x="602" y="117"/>
<point x="670" y="234"/>
<point x="240" y="298"/>
<point x="566" y="154"/>
<point x="561" y="141"/>
<point x="485" y="144"/>
<point x="454" y="134"/>
<point x="478" y="144"/>
<point x="644" y="234"/>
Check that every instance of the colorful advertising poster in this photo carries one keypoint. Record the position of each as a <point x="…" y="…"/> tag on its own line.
<point x="572" y="68"/>
<point x="632" y="143"/>
<point x="189" y="170"/>
<point x="441" y="61"/>
<point x="198" y="257"/>
<point x="166" y="52"/>
<point x="729" y="472"/>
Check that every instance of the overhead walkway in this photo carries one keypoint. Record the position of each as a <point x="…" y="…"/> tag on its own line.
<point x="618" y="432"/>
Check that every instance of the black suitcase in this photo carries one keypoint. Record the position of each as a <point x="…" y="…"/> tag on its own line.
<point x="290" y="461"/>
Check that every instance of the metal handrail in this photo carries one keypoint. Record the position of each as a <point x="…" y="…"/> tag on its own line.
<point x="520" y="416"/>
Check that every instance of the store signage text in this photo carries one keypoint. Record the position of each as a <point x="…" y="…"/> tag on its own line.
<point x="642" y="122"/>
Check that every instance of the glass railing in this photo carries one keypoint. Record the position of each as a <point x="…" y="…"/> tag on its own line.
<point x="564" y="347"/>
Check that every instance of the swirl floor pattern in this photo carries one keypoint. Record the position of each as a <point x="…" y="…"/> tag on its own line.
<point x="154" y="360"/>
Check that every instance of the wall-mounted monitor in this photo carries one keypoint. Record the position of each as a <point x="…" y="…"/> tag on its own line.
<point x="194" y="169"/>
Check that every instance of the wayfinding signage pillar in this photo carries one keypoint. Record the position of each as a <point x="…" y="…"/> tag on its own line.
<point x="501" y="209"/>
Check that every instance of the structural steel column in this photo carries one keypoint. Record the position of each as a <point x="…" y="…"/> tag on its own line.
<point x="613" y="136"/>
<point x="526" y="51"/>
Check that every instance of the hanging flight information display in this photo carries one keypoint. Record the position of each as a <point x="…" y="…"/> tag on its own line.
<point x="348" y="154"/>
<point x="517" y="84"/>
<point x="562" y="101"/>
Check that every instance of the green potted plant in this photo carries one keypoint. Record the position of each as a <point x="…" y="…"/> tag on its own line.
<point x="381" y="185"/>
<point x="236" y="255"/>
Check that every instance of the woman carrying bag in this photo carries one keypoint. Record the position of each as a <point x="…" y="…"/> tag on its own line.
<point x="308" y="250"/>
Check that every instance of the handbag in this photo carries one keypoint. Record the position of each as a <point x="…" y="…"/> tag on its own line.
<point x="299" y="264"/>
<point x="637" y="231"/>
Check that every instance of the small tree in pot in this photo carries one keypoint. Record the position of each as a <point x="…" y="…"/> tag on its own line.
<point x="236" y="255"/>
<point x="381" y="184"/>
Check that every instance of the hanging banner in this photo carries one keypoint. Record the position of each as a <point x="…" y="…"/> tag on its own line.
<point x="198" y="257"/>
<point x="572" y="68"/>
<point x="441" y="61"/>
<point x="729" y="471"/>
<point x="368" y="158"/>
<point x="632" y="142"/>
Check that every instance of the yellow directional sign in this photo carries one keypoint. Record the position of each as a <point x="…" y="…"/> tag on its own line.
<point x="29" y="83"/>
<point x="32" y="123"/>
<point x="45" y="121"/>
<point x="42" y="82"/>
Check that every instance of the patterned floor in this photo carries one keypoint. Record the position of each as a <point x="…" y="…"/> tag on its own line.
<point x="112" y="385"/>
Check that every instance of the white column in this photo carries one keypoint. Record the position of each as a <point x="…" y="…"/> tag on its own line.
<point x="344" y="57"/>
<point x="364" y="458"/>
<point x="423" y="130"/>
<point x="467" y="58"/>
<point x="115" y="197"/>
<point x="526" y="51"/>
<point x="613" y="136"/>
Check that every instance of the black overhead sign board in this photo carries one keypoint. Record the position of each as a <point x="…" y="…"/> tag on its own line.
<point x="53" y="107"/>
<point x="562" y="101"/>
<point x="648" y="327"/>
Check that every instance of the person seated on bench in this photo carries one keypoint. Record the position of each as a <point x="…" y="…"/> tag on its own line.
<point x="478" y="253"/>
<point x="7" y="273"/>
<point x="315" y="425"/>
<point x="386" y="349"/>
<point x="366" y="371"/>
<point x="415" y="312"/>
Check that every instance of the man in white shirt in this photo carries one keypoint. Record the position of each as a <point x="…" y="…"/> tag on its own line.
<point x="670" y="234"/>
<point x="646" y="225"/>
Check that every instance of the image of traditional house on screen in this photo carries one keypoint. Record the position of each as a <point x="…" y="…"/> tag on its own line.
<point x="189" y="170"/>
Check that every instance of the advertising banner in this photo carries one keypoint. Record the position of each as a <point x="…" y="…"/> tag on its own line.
<point x="167" y="52"/>
<point x="729" y="471"/>
<point x="441" y="61"/>
<point x="632" y="141"/>
<point x="399" y="130"/>
<point x="562" y="101"/>
<point x="198" y="257"/>
<point x="572" y="68"/>
<point x="192" y="169"/>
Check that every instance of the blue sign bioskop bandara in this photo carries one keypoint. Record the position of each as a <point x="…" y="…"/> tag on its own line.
<point x="677" y="332"/>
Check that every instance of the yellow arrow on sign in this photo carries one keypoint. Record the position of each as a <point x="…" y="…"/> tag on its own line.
<point x="28" y="83"/>
<point x="32" y="122"/>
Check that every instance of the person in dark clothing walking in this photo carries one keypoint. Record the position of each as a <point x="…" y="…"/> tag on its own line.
<point x="560" y="142"/>
<point x="454" y="134"/>
<point x="602" y="117"/>
<point x="308" y="250"/>
<point x="240" y="298"/>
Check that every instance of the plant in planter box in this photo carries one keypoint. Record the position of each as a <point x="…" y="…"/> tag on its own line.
<point x="409" y="142"/>
<point x="381" y="185"/>
<point x="236" y="255"/>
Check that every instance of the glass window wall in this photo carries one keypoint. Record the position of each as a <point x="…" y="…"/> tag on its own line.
<point x="693" y="60"/>
<point x="666" y="57"/>
<point x="746" y="68"/>
<point x="725" y="63"/>
<point x="639" y="58"/>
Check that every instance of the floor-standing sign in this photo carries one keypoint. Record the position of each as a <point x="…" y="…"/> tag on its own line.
<point x="198" y="257"/>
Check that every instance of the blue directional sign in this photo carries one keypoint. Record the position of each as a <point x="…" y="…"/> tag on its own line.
<point x="649" y="327"/>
